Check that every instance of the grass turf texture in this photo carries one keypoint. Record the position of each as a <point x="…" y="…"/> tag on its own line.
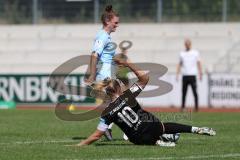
<point x="38" y="134"/>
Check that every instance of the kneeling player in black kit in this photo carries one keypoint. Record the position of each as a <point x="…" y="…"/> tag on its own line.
<point x="141" y="127"/>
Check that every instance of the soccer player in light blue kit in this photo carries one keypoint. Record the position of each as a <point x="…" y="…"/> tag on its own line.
<point x="101" y="63"/>
<point x="104" y="52"/>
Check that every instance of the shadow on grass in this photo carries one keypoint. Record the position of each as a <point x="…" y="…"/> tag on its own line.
<point x="102" y="140"/>
<point x="78" y="138"/>
<point x="113" y="144"/>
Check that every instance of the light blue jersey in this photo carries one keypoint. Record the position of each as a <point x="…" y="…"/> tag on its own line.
<point x="103" y="47"/>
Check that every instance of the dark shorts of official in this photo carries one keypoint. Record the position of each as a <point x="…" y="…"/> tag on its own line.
<point x="151" y="133"/>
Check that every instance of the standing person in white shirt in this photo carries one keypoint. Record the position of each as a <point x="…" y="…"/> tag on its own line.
<point x="189" y="65"/>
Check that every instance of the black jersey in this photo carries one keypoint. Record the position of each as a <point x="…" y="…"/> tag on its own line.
<point x="140" y="126"/>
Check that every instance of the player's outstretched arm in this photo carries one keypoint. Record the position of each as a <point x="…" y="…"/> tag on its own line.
<point x="92" y="138"/>
<point x="142" y="76"/>
<point x="199" y="69"/>
<point x="179" y="65"/>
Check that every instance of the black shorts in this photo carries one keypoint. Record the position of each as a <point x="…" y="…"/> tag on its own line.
<point x="151" y="133"/>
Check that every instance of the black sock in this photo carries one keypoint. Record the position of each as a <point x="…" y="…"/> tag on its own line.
<point x="171" y="128"/>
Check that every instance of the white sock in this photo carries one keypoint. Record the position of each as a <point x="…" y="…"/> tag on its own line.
<point x="110" y="126"/>
<point x="194" y="129"/>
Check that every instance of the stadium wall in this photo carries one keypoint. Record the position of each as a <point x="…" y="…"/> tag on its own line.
<point x="40" y="49"/>
<point x="215" y="90"/>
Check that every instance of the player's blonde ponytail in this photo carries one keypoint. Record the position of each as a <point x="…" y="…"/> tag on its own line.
<point x="101" y="85"/>
<point x="107" y="86"/>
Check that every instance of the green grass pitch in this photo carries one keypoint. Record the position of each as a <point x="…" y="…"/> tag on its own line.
<point x="38" y="134"/>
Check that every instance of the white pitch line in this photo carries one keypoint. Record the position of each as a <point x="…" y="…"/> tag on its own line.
<point x="232" y="155"/>
<point x="37" y="142"/>
<point x="208" y="156"/>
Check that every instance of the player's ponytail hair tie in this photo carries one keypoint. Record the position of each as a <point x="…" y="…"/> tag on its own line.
<point x="109" y="8"/>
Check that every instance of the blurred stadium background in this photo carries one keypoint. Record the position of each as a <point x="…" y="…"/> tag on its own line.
<point x="36" y="36"/>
